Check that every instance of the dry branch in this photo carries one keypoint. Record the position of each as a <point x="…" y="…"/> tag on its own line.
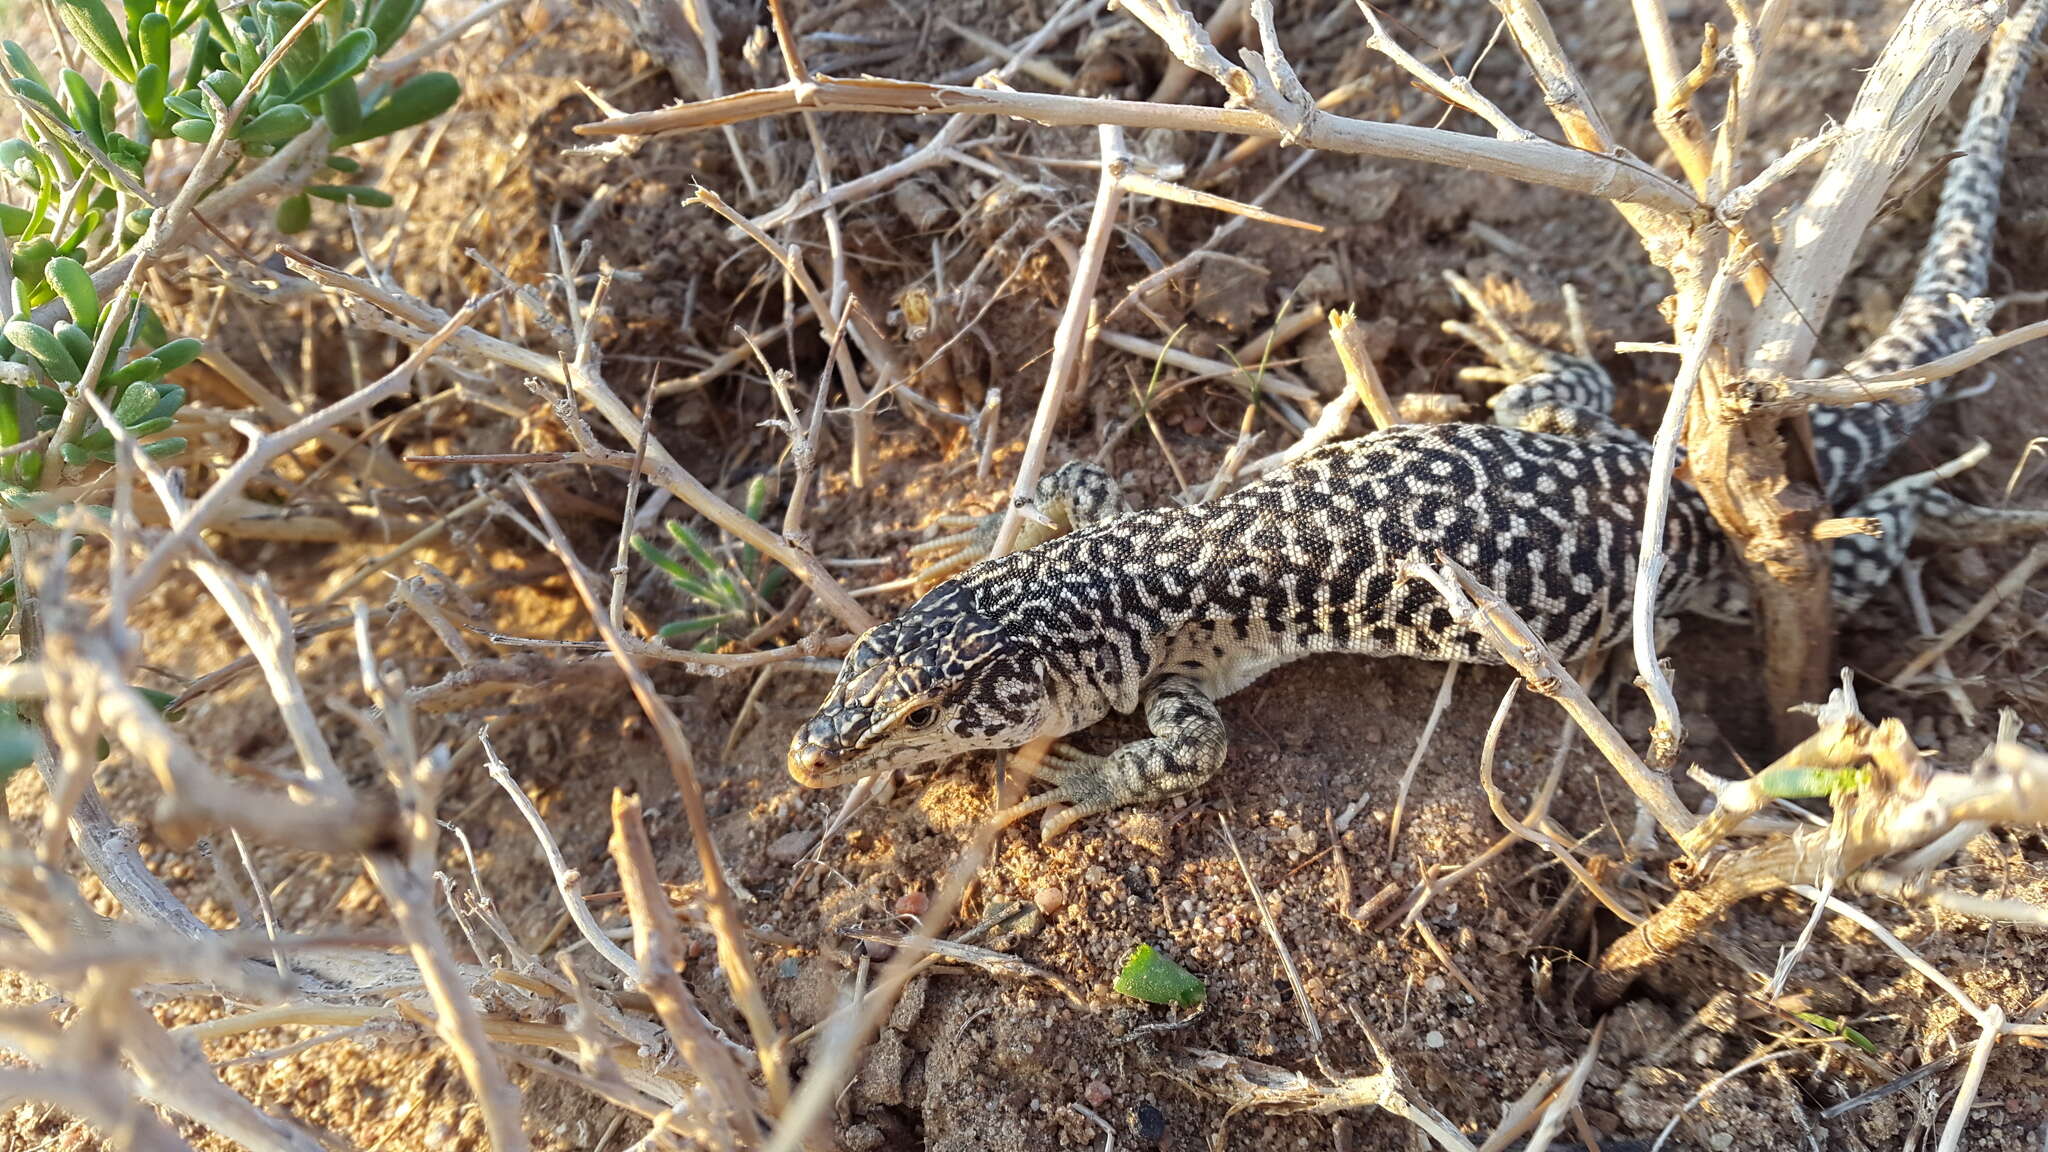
<point x="1534" y="162"/>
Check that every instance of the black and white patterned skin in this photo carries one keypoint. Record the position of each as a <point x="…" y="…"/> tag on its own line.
<point x="1854" y="442"/>
<point x="1170" y="609"/>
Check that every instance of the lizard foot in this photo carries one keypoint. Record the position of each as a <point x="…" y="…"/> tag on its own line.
<point x="1081" y="780"/>
<point x="1076" y="495"/>
<point x="967" y="542"/>
<point x="1545" y="390"/>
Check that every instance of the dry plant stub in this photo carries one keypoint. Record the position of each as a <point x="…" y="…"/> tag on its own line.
<point x="343" y="835"/>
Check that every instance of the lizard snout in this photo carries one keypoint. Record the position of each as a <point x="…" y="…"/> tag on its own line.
<point x="814" y="761"/>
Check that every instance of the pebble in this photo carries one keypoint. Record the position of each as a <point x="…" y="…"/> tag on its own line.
<point x="1096" y="1094"/>
<point x="790" y="847"/>
<point x="912" y="903"/>
<point x="1433" y="1040"/>
<point x="1050" y="899"/>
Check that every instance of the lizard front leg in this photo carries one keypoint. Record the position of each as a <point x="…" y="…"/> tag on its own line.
<point x="1187" y="748"/>
<point x="1078" y="494"/>
<point x="1546" y="390"/>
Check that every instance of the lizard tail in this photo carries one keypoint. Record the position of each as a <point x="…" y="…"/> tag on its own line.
<point x="1957" y="258"/>
<point x="1955" y="265"/>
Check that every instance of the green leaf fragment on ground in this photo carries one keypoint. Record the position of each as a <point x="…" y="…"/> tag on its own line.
<point x="1150" y="976"/>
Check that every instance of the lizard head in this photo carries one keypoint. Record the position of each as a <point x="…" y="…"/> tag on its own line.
<point x="940" y="680"/>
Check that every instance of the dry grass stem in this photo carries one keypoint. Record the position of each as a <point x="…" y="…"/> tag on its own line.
<point x="1436" y="714"/>
<point x="2007" y="587"/>
<point x="1072" y="335"/>
<point x="660" y="950"/>
<point x="1287" y="965"/>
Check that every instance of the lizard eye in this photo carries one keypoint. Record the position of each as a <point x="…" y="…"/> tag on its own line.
<point x="921" y="717"/>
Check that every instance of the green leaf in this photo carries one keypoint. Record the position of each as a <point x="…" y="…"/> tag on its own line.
<point x="132" y="155"/>
<point x="187" y="105"/>
<point x="161" y="701"/>
<point x="18" y="157"/>
<point x="169" y="399"/>
<point x="699" y="554"/>
<point x="178" y="353"/>
<point x="72" y="454"/>
<point x="14" y="221"/>
<point x="87" y="221"/>
<point x="692" y="625"/>
<point x="300" y="58"/>
<point x="18" y="60"/>
<point x="35" y="90"/>
<point x="85" y="109"/>
<point x="150" y="426"/>
<point x="294" y="214"/>
<point x="205" y="52"/>
<point x="414" y="102"/>
<point x="344" y="60"/>
<point x="137" y="401"/>
<point x="76" y="341"/>
<point x="150" y="91"/>
<point x="165" y="448"/>
<point x="1838" y="1028"/>
<point x="100" y="34"/>
<point x="153" y="40"/>
<point x="390" y="18"/>
<point x="248" y="53"/>
<point x="74" y="284"/>
<point x="343" y="164"/>
<point x="341" y="193"/>
<point x="49" y="398"/>
<point x="1810" y="783"/>
<point x="275" y="126"/>
<point x="1149" y="976"/>
<point x="19" y="743"/>
<point x="660" y="559"/>
<point x="197" y="131"/>
<point x="132" y="12"/>
<point x="43" y="344"/>
<point x="139" y="369"/>
<point x="224" y="84"/>
<point x="32" y="257"/>
<point x="343" y="111"/>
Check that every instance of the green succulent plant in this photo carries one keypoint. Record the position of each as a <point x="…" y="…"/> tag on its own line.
<point x="72" y="199"/>
<point x="72" y="203"/>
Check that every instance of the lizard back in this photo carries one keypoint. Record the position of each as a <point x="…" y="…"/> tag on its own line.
<point x="1308" y="560"/>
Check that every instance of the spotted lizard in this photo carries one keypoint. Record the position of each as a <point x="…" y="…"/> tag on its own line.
<point x="1168" y="610"/>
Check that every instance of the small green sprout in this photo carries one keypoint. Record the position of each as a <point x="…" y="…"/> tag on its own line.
<point x="1149" y="976"/>
<point x="729" y="595"/>
<point x="1811" y="783"/>
<point x="1840" y="1028"/>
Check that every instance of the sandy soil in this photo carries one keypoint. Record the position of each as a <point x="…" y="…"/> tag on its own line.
<point x="1473" y="1010"/>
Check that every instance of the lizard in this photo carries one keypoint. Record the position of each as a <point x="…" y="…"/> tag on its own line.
<point x="1105" y="609"/>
